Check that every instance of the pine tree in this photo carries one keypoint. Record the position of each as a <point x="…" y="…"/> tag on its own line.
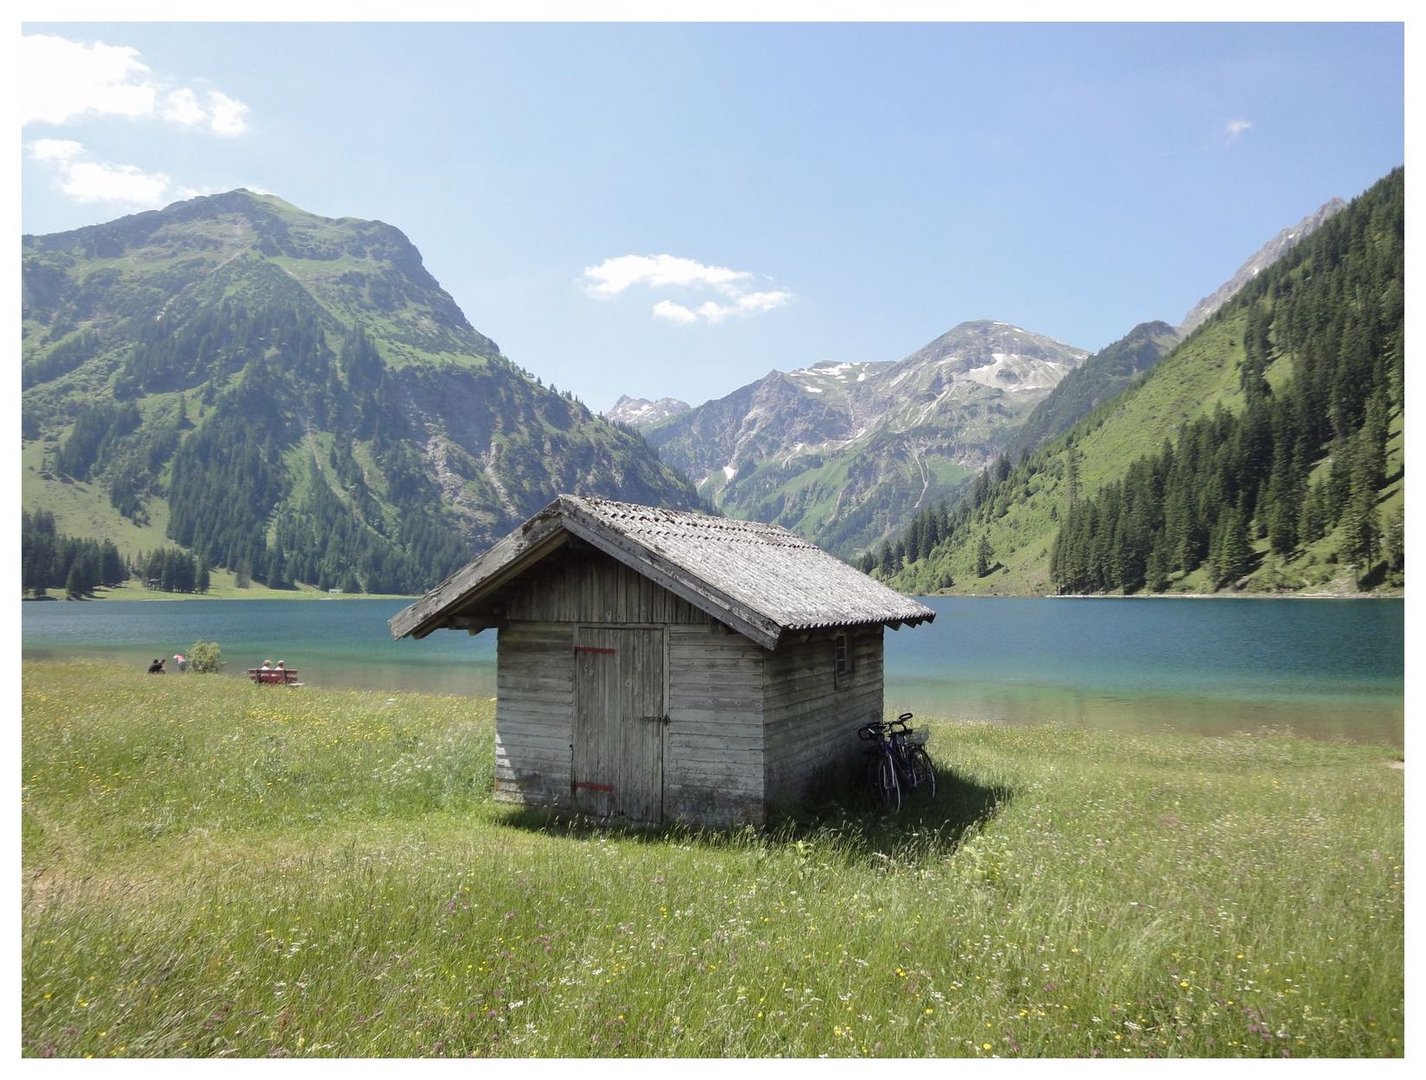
<point x="1285" y="498"/>
<point x="74" y="585"/>
<point x="1231" y="554"/>
<point x="1361" y="523"/>
<point x="983" y="555"/>
<point x="1156" y="574"/>
<point x="1361" y="532"/>
<point x="1394" y="542"/>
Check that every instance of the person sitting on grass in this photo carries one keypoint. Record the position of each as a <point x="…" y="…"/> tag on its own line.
<point x="156" y="668"/>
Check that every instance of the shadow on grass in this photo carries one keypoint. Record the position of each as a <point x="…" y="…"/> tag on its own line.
<point x="841" y="818"/>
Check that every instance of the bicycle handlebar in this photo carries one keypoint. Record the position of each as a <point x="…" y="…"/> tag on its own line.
<point x="880" y="729"/>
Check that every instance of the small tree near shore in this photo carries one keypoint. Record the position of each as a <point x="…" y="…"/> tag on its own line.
<point x="983" y="555"/>
<point x="205" y="658"/>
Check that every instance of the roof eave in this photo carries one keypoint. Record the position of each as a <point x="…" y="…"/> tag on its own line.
<point x="894" y="620"/>
<point x="508" y="558"/>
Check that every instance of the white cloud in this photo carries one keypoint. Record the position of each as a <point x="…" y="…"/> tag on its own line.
<point x="52" y="151"/>
<point x="613" y="276"/>
<point x="749" y="304"/>
<point x="97" y="182"/>
<point x="663" y="272"/>
<point x="674" y="313"/>
<point x="753" y="303"/>
<point x="64" y="81"/>
<point x="228" y="116"/>
<point x="1235" y="129"/>
<point x="181" y="107"/>
<point x="85" y="180"/>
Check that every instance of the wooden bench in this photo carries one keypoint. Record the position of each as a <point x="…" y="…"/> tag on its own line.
<point x="281" y="676"/>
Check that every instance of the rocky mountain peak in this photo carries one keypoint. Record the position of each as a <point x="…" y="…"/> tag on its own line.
<point x="1264" y="257"/>
<point x="996" y="355"/>
<point x="641" y="413"/>
<point x="841" y="449"/>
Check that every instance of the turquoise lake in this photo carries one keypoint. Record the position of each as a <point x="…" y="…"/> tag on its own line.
<point x="1323" y="668"/>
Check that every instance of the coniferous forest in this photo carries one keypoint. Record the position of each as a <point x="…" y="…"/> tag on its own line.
<point x="311" y="410"/>
<point x="1336" y="318"/>
<point x="76" y="566"/>
<point x="1297" y="453"/>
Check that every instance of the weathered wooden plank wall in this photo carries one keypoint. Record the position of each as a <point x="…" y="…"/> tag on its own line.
<point x="713" y="759"/>
<point x="534" y="712"/>
<point x="589" y="587"/>
<point x="811" y="717"/>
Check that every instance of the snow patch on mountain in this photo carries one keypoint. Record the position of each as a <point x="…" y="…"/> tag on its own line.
<point x="642" y="413"/>
<point x="1012" y="372"/>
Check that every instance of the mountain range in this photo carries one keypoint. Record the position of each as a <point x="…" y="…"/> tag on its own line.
<point x="845" y="453"/>
<point x="296" y="400"/>
<point x="842" y="452"/>
<point x="1265" y="453"/>
<point x="290" y="397"/>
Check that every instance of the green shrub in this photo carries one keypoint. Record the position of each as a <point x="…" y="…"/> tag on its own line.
<point x="205" y="657"/>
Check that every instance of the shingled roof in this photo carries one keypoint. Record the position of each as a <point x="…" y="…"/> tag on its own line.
<point x="759" y="579"/>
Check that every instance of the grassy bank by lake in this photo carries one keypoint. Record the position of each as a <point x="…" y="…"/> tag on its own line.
<point x="216" y="869"/>
<point x="222" y="588"/>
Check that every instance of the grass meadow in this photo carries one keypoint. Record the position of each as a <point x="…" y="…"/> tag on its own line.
<point x="213" y="869"/>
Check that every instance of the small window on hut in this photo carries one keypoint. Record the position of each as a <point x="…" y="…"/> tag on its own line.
<point x="843" y="662"/>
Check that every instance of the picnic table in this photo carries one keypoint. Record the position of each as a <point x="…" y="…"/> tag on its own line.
<point x="281" y="676"/>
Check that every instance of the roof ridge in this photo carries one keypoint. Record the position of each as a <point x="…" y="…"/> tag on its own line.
<point x="758" y="577"/>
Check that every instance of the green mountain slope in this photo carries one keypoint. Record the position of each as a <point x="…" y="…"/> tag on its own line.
<point x="290" y="397"/>
<point x="1103" y="376"/>
<point x="1266" y="453"/>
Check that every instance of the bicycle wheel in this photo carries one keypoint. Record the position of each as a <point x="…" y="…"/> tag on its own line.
<point x="884" y="782"/>
<point x="923" y="772"/>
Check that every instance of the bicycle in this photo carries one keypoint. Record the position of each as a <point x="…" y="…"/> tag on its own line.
<point x="913" y="762"/>
<point x="898" y="760"/>
<point x="881" y="764"/>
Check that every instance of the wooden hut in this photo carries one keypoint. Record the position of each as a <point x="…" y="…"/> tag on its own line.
<point x="663" y="665"/>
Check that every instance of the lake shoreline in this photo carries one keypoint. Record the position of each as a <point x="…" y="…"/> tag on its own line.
<point x="1322" y="669"/>
<point x="304" y="595"/>
<point x="1398" y="595"/>
<point x="273" y="594"/>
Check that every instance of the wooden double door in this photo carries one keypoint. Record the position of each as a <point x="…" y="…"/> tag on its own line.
<point x="619" y="721"/>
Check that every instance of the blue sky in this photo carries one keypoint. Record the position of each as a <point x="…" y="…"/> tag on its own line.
<point x="678" y="208"/>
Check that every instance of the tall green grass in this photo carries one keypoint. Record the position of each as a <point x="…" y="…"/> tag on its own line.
<point x="217" y="869"/>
